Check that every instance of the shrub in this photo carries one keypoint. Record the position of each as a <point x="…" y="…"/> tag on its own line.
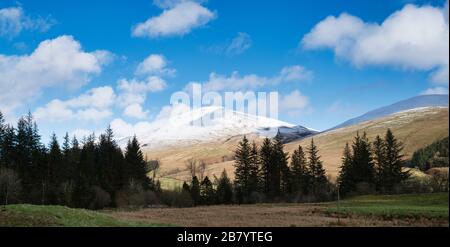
<point x="178" y="199"/>
<point x="101" y="198"/>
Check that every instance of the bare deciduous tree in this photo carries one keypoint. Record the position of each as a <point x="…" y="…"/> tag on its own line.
<point x="191" y="166"/>
<point x="202" y="170"/>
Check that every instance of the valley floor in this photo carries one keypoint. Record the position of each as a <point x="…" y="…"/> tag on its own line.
<point x="399" y="210"/>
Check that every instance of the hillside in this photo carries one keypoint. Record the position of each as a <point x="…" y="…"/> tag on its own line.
<point x="22" y="215"/>
<point x="416" y="128"/>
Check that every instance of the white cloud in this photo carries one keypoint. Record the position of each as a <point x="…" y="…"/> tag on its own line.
<point x="135" y="110"/>
<point x="435" y="90"/>
<point x="57" y="62"/>
<point x="92" y="106"/>
<point x="239" y="44"/>
<point x="165" y="4"/>
<point x="154" y="64"/>
<point x="294" y="103"/>
<point x="13" y="21"/>
<point x="235" y="81"/>
<point x="412" y="38"/>
<point x="176" y="21"/>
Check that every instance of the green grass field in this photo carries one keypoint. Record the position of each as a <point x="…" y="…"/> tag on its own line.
<point x="431" y="206"/>
<point x="24" y="215"/>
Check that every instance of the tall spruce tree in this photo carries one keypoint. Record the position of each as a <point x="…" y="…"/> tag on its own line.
<point x="379" y="158"/>
<point x="55" y="171"/>
<point x="266" y="164"/>
<point x="254" y="182"/>
<point x="224" y="191"/>
<point x="300" y="174"/>
<point x="346" y="179"/>
<point x="207" y="192"/>
<point x="390" y="172"/>
<point x="315" y="166"/>
<point x="281" y="177"/>
<point x="195" y="191"/>
<point x="243" y="165"/>
<point x="136" y="166"/>
<point x="363" y="169"/>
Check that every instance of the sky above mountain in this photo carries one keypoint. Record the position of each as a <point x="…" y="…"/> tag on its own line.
<point x="81" y="65"/>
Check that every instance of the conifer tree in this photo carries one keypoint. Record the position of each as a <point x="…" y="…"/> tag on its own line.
<point x="136" y="166"/>
<point x="390" y="172"/>
<point x="195" y="191"/>
<point x="255" y="170"/>
<point x="363" y="167"/>
<point x="224" y="189"/>
<point x="243" y="165"/>
<point x="281" y="177"/>
<point x="300" y="175"/>
<point x="315" y="166"/>
<point x="55" y="171"/>
<point x="379" y="157"/>
<point x="207" y="193"/>
<point x="346" y="178"/>
<point x="266" y="164"/>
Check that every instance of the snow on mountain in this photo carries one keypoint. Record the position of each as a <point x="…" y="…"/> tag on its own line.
<point x="404" y="105"/>
<point x="186" y="127"/>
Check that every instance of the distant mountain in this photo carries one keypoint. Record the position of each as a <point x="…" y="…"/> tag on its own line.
<point x="215" y="123"/>
<point x="408" y="104"/>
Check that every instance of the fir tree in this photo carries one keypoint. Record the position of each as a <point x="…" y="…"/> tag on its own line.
<point x="224" y="189"/>
<point x="207" y="193"/>
<point x="266" y="164"/>
<point x="346" y="178"/>
<point x="390" y="172"/>
<point x="315" y="166"/>
<point x="255" y="170"/>
<point x="300" y="175"/>
<point x="363" y="167"/>
<point x="243" y="165"/>
<point x="379" y="158"/>
<point x="195" y="190"/>
<point x="281" y="176"/>
<point x="136" y="166"/>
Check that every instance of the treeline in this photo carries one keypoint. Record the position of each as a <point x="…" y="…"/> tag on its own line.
<point x="372" y="167"/>
<point x="92" y="174"/>
<point x="434" y="155"/>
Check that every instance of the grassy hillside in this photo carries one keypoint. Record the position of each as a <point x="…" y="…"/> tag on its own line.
<point x="417" y="129"/>
<point x="23" y="215"/>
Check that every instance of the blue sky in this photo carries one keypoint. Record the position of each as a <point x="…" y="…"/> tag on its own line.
<point x="79" y="65"/>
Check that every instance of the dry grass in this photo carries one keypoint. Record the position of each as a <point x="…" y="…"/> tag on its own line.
<point x="264" y="215"/>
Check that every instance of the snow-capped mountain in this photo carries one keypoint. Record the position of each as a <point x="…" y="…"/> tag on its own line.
<point x="184" y="126"/>
<point x="404" y="105"/>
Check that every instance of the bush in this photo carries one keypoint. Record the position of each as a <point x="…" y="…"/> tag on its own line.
<point x="101" y="198"/>
<point x="177" y="199"/>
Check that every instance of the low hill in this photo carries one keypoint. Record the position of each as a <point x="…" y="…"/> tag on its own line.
<point x="417" y="128"/>
<point x="23" y="215"/>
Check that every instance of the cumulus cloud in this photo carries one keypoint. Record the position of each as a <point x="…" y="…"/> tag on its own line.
<point x="293" y="103"/>
<point x="13" y="21"/>
<point x="415" y="37"/>
<point x="154" y="64"/>
<point x="435" y="90"/>
<point x="236" y="82"/>
<point x="135" y="110"/>
<point x="92" y="106"/>
<point x="175" y="21"/>
<point x="57" y="62"/>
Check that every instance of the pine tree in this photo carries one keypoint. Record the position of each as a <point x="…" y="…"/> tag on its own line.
<point x="8" y="149"/>
<point x="266" y="164"/>
<point x="300" y="175"/>
<point x="316" y="171"/>
<point x="379" y="157"/>
<point x="55" y="171"/>
<point x="390" y="173"/>
<point x="186" y="187"/>
<point x="224" y="192"/>
<point x="136" y="166"/>
<point x="195" y="191"/>
<point x="255" y="170"/>
<point x="346" y="178"/>
<point x="363" y="167"/>
<point x="207" y="192"/>
<point x="243" y="164"/>
<point x="282" y="174"/>
<point x="2" y="137"/>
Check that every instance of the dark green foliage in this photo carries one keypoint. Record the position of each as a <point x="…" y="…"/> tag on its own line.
<point x="266" y="164"/>
<point x="282" y="174"/>
<point x="207" y="192"/>
<point x="300" y="173"/>
<point x="434" y="155"/>
<point x="195" y="191"/>
<point x="224" y="191"/>
<point x="345" y="179"/>
<point x="316" y="171"/>
<point x="136" y="167"/>
<point x="243" y="165"/>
